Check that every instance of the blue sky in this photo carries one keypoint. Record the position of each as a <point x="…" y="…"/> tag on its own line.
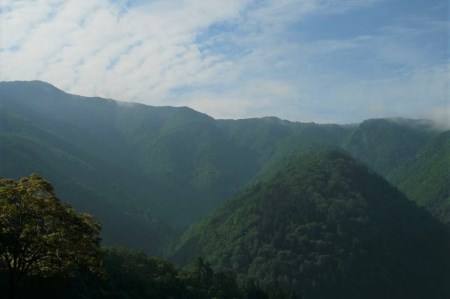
<point x="304" y="60"/>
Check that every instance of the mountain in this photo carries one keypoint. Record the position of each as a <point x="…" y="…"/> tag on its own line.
<point x="383" y="144"/>
<point x="163" y="168"/>
<point x="174" y="162"/>
<point x="426" y="178"/>
<point x="78" y="178"/>
<point x="328" y="227"/>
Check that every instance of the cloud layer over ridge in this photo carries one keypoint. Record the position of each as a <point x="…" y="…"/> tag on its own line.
<point x="305" y="60"/>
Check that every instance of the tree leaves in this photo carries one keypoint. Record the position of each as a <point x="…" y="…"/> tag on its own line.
<point x="39" y="235"/>
<point x="325" y="225"/>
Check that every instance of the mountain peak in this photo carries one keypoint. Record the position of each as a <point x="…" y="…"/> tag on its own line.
<point x="30" y="84"/>
<point x="324" y="225"/>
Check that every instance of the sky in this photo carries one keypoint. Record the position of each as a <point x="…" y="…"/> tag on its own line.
<point x="327" y="61"/>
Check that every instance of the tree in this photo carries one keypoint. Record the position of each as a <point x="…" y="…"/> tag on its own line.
<point x="39" y="235"/>
<point x="203" y="273"/>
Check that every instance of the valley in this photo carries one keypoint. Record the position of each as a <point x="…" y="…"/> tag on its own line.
<point x="321" y="209"/>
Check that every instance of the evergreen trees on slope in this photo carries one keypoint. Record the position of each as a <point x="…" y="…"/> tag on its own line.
<point x="426" y="178"/>
<point x="327" y="227"/>
<point x="383" y="144"/>
<point x="172" y="162"/>
<point x="154" y="165"/>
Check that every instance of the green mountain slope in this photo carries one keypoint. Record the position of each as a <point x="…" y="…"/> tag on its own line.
<point x="175" y="162"/>
<point x="166" y="164"/>
<point x="26" y="148"/>
<point x="328" y="227"/>
<point x="384" y="144"/>
<point x="270" y="138"/>
<point x="426" y="178"/>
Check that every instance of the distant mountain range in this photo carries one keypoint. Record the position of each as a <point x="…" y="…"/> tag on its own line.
<point x="159" y="169"/>
<point x="426" y="177"/>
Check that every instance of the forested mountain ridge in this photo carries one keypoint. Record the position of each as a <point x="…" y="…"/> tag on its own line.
<point x="383" y="144"/>
<point x="426" y="178"/>
<point x="164" y="146"/>
<point x="79" y="178"/>
<point x="163" y="166"/>
<point x="328" y="227"/>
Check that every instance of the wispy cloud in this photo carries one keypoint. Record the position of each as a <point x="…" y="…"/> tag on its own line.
<point x="237" y="58"/>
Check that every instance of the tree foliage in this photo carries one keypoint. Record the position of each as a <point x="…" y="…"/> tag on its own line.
<point x="425" y="179"/>
<point x="41" y="236"/>
<point x="107" y="159"/>
<point x="133" y="274"/>
<point x="324" y="225"/>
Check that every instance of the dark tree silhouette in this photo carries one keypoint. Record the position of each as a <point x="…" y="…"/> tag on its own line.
<point x="39" y="235"/>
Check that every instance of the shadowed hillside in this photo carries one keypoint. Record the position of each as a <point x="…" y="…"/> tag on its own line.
<point x="164" y="167"/>
<point x="426" y="178"/>
<point x="326" y="226"/>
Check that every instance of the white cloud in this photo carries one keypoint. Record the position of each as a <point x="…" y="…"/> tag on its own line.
<point x="151" y="53"/>
<point x="86" y="37"/>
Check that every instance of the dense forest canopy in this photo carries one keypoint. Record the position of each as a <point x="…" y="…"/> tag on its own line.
<point x="273" y="208"/>
<point x="325" y="225"/>
<point x="40" y="236"/>
<point x="426" y="177"/>
<point x="47" y="250"/>
<point x="159" y="169"/>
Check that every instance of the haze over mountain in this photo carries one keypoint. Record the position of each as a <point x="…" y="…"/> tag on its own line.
<point x="241" y="149"/>
<point x="426" y="178"/>
<point x="158" y="169"/>
<point x="312" y="60"/>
